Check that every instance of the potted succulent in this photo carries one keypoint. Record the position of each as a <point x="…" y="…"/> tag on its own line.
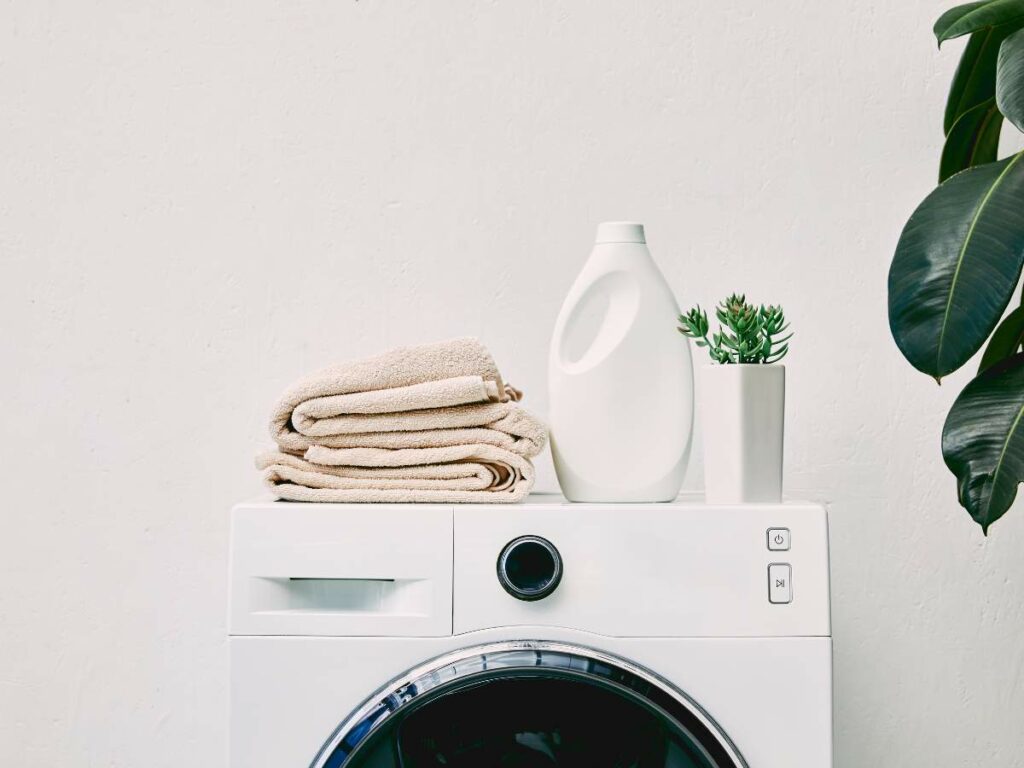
<point x="742" y="399"/>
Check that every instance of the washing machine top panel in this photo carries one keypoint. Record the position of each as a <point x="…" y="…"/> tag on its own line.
<point x="683" y="569"/>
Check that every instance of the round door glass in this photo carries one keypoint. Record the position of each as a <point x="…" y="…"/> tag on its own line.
<point x="518" y="708"/>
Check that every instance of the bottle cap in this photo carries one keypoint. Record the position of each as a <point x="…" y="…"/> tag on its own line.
<point x="620" y="232"/>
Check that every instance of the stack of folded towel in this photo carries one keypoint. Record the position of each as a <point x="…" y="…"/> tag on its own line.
<point x="431" y="423"/>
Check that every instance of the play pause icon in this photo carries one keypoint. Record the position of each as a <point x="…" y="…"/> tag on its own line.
<point x="780" y="583"/>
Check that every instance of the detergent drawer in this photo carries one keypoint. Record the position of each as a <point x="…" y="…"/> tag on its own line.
<point x="341" y="570"/>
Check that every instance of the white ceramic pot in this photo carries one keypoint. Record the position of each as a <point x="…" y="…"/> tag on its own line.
<point x="742" y="410"/>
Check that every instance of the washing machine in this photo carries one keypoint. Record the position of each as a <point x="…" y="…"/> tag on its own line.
<point x="675" y="635"/>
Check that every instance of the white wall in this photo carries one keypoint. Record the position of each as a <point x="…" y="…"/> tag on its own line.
<point x="199" y="202"/>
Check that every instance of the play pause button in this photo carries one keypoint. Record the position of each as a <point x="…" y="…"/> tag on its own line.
<point x="780" y="583"/>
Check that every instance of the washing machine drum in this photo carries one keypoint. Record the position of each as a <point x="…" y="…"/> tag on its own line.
<point x="529" y="705"/>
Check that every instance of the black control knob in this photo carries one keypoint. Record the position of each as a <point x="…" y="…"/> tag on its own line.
<point x="529" y="568"/>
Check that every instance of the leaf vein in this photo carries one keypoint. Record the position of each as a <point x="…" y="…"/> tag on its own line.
<point x="963" y="252"/>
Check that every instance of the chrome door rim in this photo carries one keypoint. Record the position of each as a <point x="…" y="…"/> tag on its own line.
<point x="441" y="671"/>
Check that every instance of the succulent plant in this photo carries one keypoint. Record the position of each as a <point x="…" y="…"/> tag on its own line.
<point x="747" y="334"/>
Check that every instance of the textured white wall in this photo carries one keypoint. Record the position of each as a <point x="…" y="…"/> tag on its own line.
<point x="199" y="201"/>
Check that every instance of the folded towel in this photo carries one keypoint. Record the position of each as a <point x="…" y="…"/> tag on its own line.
<point x="446" y="373"/>
<point x="506" y="425"/>
<point x="428" y="423"/>
<point x="452" y="474"/>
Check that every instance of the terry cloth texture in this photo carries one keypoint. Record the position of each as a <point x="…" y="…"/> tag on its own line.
<point x="428" y="423"/>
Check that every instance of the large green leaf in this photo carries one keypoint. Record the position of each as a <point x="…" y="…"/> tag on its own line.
<point x="954" y="16"/>
<point x="975" y="78"/>
<point x="964" y="19"/>
<point x="974" y="140"/>
<point x="1010" y="79"/>
<point x="956" y="265"/>
<point x="983" y="441"/>
<point x="1006" y="341"/>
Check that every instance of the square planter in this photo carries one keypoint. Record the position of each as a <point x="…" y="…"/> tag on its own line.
<point x="742" y="411"/>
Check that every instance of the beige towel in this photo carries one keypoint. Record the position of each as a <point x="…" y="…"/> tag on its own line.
<point x="454" y="474"/>
<point x="506" y="425"/>
<point x="428" y="423"/>
<point x="447" y="373"/>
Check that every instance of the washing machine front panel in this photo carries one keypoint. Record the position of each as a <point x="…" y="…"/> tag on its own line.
<point x="652" y="570"/>
<point x="341" y="570"/>
<point x="770" y="698"/>
<point x="529" y="703"/>
<point x="328" y="602"/>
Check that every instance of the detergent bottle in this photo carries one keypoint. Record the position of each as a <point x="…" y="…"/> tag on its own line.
<point x="620" y="378"/>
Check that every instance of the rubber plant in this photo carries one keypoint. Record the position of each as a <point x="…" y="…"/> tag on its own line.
<point x="958" y="262"/>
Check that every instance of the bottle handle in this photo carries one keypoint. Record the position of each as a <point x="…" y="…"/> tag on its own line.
<point x="623" y="292"/>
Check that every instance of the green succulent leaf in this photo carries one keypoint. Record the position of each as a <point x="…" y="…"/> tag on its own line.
<point x="1006" y="341"/>
<point x="956" y="265"/>
<point x="974" y="140"/>
<point x="964" y="19"/>
<point x="747" y="334"/>
<point x="983" y="441"/>
<point x="975" y="78"/>
<point x="1010" y="79"/>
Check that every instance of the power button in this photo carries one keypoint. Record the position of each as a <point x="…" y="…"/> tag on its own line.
<point x="778" y="539"/>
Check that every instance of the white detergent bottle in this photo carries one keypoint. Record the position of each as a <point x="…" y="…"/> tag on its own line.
<point x="620" y="378"/>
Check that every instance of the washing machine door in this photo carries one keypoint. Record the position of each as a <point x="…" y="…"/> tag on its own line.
<point x="529" y="704"/>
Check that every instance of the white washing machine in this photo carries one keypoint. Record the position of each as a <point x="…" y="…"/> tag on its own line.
<point x="544" y="634"/>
